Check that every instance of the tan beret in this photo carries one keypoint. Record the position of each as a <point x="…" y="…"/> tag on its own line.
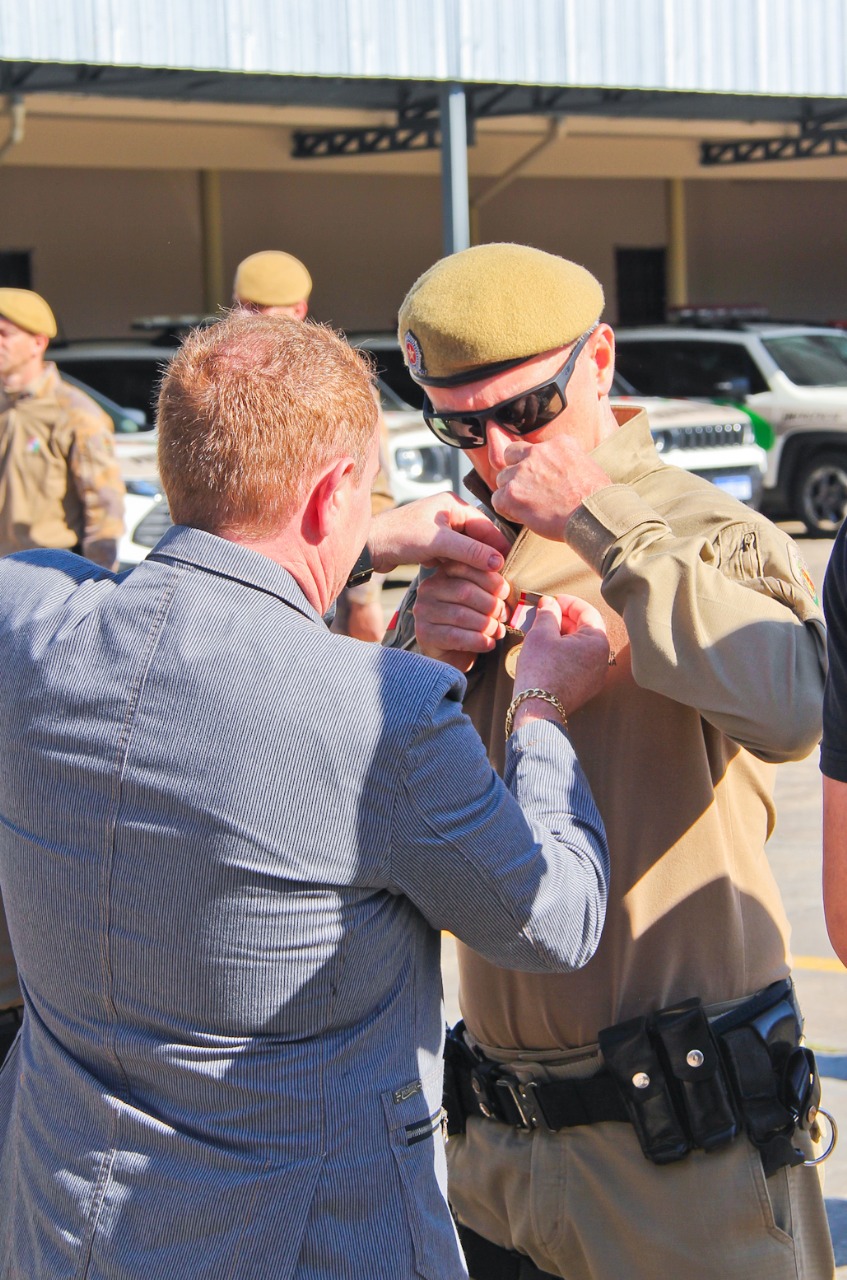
<point x="493" y="305"/>
<point x="28" y="311"/>
<point x="272" y="279"/>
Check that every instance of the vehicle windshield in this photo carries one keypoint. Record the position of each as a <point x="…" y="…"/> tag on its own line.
<point x="811" y="359"/>
<point x="388" y="398"/>
<point x="393" y="374"/>
<point x="622" y="387"/>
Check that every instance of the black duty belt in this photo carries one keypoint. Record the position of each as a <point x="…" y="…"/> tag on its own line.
<point x="681" y="1079"/>
<point x="12" y="1017"/>
<point x="477" y="1086"/>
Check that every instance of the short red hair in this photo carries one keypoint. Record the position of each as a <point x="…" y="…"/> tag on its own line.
<point x="250" y="410"/>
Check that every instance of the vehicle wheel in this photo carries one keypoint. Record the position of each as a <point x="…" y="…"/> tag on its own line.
<point x="820" y="493"/>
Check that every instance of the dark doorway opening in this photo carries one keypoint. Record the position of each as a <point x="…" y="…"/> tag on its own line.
<point x="15" y="268"/>
<point x="642" y="286"/>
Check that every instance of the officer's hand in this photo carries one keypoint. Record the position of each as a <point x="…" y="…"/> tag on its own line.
<point x="542" y="484"/>
<point x="436" y="531"/>
<point x="566" y="652"/>
<point x="459" y="612"/>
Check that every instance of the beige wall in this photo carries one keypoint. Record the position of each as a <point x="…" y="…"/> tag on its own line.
<point x="106" y="245"/>
<point x="776" y="244"/>
<point x="109" y="245"/>
<point x="365" y="239"/>
<point x="584" y="219"/>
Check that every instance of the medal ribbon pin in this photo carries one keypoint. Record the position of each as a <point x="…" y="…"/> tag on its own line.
<point x="523" y="614"/>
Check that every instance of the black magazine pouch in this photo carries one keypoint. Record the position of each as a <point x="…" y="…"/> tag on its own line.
<point x="693" y="1060"/>
<point x="634" y="1064"/>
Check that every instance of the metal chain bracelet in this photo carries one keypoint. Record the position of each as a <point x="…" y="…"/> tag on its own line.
<point x="543" y="695"/>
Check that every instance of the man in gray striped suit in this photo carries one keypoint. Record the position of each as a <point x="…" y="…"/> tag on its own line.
<point x="228" y="843"/>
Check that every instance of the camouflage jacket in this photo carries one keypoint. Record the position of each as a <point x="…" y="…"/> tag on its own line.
<point x="60" y="485"/>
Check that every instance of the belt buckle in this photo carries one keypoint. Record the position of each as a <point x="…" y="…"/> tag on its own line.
<point x="524" y="1100"/>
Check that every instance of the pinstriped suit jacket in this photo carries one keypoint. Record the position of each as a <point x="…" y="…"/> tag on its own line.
<point x="228" y="840"/>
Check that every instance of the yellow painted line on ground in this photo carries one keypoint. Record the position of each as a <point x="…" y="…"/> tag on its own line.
<point x="821" y="964"/>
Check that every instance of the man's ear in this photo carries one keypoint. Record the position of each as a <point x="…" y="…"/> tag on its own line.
<point x="326" y="501"/>
<point x="603" y="357"/>
<point x="42" y="340"/>
<point x="300" y="309"/>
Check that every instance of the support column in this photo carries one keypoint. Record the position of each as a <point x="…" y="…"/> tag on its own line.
<point x="677" y="244"/>
<point x="455" y="206"/>
<point x="215" y="295"/>
<point x="454" y="169"/>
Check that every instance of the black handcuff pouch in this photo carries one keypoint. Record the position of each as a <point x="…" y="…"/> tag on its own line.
<point x="692" y="1059"/>
<point x="632" y="1059"/>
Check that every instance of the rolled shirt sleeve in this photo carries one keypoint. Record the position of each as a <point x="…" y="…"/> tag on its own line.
<point x="725" y="622"/>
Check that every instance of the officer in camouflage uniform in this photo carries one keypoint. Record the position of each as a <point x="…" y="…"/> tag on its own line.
<point x="59" y="482"/>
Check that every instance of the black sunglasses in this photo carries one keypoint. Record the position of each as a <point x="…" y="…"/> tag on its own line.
<point x="521" y="415"/>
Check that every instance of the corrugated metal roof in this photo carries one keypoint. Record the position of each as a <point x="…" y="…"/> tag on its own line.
<point x="785" y="47"/>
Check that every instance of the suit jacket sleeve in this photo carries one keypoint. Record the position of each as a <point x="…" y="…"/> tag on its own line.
<point x="517" y="867"/>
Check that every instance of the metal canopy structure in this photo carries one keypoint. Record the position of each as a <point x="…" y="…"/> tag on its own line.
<point x="409" y="98"/>
<point x="440" y="67"/>
<point x="417" y="106"/>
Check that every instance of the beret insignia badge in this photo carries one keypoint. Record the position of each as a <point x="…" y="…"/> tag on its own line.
<point x="414" y="354"/>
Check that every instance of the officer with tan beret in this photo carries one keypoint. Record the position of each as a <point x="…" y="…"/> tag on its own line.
<point x="273" y="283"/>
<point x="60" y="485"/>
<point x="648" y="1116"/>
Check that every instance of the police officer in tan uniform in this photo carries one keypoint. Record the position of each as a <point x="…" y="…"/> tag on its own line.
<point x="648" y="1116"/>
<point x="273" y="283"/>
<point x="60" y="485"/>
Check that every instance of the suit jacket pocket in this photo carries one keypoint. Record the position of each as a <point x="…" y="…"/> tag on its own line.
<point x="413" y="1116"/>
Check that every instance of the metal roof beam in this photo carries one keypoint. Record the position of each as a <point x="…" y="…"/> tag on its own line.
<point x="425" y="136"/>
<point x="806" y="146"/>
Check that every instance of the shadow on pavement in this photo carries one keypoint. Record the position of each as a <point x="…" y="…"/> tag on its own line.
<point x="836" y="1211"/>
<point x="833" y="1065"/>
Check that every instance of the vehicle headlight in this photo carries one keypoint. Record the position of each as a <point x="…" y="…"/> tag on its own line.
<point x="665" y="439"/>
<point x="429" y="464"/>
<point x="410" y="462"/>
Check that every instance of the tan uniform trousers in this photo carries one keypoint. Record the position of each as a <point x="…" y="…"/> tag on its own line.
<point x="585" y="1204"/>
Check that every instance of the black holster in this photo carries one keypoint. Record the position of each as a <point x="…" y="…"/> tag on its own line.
<point x="460" y="1062"/>
<point x="774" y="1078"/>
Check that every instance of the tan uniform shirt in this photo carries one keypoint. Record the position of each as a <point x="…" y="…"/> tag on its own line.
<point x="60" y="485"/>
<point x="719" y="672"/>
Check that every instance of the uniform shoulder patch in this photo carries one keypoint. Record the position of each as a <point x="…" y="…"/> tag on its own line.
<point x="800" y="570"/>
